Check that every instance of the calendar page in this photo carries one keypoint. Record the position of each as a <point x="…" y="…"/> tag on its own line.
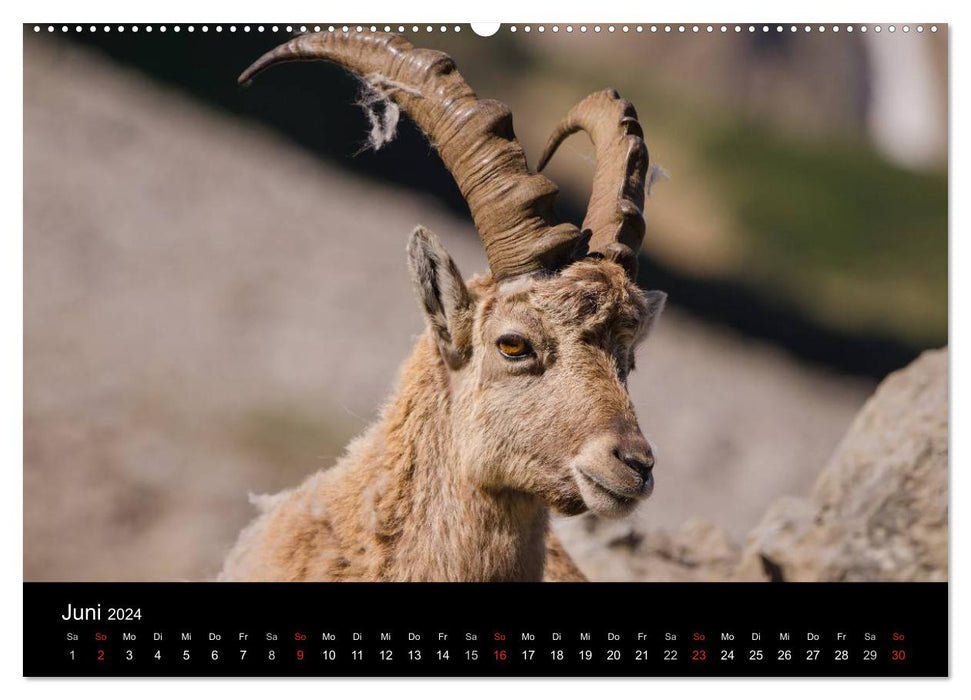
<point x="537" y="349"/>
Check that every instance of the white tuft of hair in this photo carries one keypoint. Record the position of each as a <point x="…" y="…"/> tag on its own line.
<point x="380" y="108"/>
<point x="265" y="501"/>
<point x="654" y="175"/>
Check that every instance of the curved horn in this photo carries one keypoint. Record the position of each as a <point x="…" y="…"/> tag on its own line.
<point x="615" y="214"/>
<point x="511" y="207"/>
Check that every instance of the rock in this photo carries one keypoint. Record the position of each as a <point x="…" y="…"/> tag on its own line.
<point x="697" y="551"/>
<point x="878" y="511"/>
<point x="617" y="551"/>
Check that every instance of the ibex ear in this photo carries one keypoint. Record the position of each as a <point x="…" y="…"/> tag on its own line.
<point x="656" y="299"/>
<point x="443" y="296"/>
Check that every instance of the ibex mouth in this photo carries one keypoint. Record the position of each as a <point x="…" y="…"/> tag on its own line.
<point x="612" y="500"/>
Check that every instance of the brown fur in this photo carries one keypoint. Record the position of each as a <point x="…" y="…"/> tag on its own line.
<point x="456" y="479"/>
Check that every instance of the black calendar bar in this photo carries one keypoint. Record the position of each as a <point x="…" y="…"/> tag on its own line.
<point x="617" y="629"/>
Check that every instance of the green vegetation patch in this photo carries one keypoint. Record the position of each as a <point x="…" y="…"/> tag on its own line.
<point x="857" y="241"/>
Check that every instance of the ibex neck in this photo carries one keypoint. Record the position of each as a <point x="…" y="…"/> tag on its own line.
<point x="439" y="523"/>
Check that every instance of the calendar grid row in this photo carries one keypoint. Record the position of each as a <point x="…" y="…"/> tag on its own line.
<point x="498" y="648"/>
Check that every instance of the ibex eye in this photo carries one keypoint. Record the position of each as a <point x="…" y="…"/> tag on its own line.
<point x="515" y="347"/>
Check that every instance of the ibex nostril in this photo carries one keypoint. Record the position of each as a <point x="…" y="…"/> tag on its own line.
<point x="640" y="463"/>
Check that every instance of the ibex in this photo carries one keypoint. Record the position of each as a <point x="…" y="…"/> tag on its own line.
<point x="514" y="400"/>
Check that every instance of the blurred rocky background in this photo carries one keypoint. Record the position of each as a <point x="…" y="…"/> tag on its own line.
<point x="216" y="297"/>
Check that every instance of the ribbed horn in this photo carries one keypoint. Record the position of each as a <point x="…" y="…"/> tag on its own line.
<point x="615" y="214"/>
<point x="511" y="207"/>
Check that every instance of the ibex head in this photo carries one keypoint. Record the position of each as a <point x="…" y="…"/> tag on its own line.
<point x="538" y="352"/>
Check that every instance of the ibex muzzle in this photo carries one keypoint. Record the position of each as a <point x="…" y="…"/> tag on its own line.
<point x="615" y="473"/>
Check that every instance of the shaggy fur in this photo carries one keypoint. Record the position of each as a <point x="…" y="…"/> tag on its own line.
<point x="456" y="479"/>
